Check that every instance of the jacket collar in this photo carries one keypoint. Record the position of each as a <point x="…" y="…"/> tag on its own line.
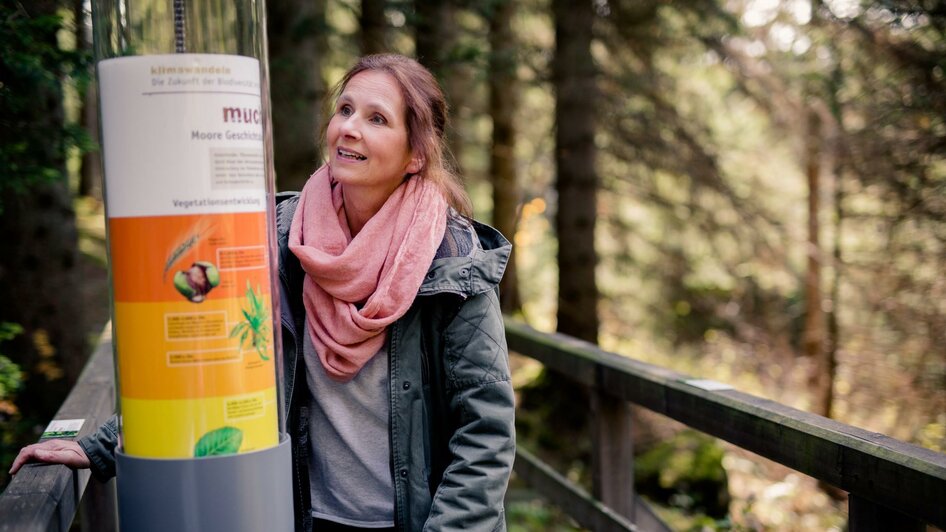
<point x="478" y="272"/>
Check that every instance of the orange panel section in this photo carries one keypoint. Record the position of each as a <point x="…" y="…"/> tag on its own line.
<point x="188" y="258"/>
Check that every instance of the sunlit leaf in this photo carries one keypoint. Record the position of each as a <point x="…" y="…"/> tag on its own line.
<point x="225" y="440"/>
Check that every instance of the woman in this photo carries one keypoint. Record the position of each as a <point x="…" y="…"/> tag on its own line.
<point x="399" y="402"/>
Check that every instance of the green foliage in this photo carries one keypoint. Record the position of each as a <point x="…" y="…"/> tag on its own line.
<point x="686" y="472"/>
<point x="10" y="376"/>
<point x="933" y="435"/>
<point x="33" y="65"/>
<point x="536" y="516"/>
<point x="225" y="440"/>
<point x="255" y="326"/>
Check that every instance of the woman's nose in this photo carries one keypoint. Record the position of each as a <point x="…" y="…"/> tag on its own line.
<point x="350" y="128"/>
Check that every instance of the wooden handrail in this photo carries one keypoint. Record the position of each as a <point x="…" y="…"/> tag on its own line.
<point x="887" y="479"/>
<point x="45" y="497"/>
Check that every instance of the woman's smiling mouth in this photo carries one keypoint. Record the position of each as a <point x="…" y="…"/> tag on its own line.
<point x="350" y="155"/>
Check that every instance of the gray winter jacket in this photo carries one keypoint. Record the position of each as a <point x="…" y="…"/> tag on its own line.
<point x="452" y="410"/>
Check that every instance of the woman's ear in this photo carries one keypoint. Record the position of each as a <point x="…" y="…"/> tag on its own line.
<point x="417" y="162"/>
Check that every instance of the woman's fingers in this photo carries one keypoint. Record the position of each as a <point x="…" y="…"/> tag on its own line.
<point x="51" y="451"/>
<point x="26" y="454"/>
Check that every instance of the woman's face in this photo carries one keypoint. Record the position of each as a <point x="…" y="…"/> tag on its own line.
<point x="367" y="135"/>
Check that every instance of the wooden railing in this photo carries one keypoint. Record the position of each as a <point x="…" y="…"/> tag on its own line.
<point x="44" y="497"/>
<point x="891" y="485"/>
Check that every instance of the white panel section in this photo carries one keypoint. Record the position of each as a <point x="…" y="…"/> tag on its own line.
<point x="182" y="134"/>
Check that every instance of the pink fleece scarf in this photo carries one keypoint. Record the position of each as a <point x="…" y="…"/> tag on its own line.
<point x="356" y="287"/>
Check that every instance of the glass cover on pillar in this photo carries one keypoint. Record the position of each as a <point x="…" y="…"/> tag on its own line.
<point x="189" y="202"/>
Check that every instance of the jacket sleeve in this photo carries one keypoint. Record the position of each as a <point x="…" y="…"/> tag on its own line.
<point x="100" y="448"/>
<point x="480" y="395"/>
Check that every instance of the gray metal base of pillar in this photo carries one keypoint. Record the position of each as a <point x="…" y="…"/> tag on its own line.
<point x="247" y="492"/>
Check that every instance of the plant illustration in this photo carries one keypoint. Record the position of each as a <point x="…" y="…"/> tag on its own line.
<point x="254" y="329"/>
<point x="225" y="440"/>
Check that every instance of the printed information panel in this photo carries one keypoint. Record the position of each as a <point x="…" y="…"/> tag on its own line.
<point x="186" y="201"/>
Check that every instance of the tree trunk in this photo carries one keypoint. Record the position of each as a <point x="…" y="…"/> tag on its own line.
<point x="840" y="161"/>
<point x="90" y="170"/>
<point x="39" y="274"/>
<point x="565" y="424"/>
<point x="373" y="27"/>
<point x="834" y="329"/>
<point x="577" y="181"/>
<point x="296" y="30"/>
<point x="430" y="35"/>
<point x="435" y="38"/>
<point x="813" y="338"/>
<point x="458" y="76"/>
<point x="503" y="102"/>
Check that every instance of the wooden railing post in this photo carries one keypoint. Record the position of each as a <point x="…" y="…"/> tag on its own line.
<point x="612" y="456"/>
<point x="868" y="516"/>
<point x="98" y="511"/>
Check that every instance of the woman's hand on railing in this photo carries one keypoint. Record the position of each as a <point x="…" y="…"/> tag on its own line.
<point x="64" y="452"/>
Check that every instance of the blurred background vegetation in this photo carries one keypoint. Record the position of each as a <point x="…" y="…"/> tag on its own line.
<point x="752" y="191"/>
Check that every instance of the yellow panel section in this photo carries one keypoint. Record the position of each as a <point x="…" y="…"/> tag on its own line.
<point x="172" y="429"/>
<point x="182" y="350"/>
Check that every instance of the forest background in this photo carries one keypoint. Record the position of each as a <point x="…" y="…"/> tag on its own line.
<point x="755" y="194"/>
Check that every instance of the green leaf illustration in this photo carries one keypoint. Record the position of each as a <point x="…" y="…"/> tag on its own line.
<point x="237" y="329"/>
<point x="225" y="440"/>
<point x="255" y="323"/>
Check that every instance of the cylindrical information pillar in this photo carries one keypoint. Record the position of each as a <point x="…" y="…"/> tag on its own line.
<point x="189" y="192"/>
<point x="189" y="254"/>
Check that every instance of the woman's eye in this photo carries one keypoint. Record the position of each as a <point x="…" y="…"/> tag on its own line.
<point x="379" y="120"/>
<point x="345" y="110"/>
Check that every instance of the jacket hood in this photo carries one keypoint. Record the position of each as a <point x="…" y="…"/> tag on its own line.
<point x="479" y="271"/>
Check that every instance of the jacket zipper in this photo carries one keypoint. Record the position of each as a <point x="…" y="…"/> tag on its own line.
<point x="288" y="324"/>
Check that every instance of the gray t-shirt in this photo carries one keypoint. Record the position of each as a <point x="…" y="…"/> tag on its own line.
<point x="349" y="469"/>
